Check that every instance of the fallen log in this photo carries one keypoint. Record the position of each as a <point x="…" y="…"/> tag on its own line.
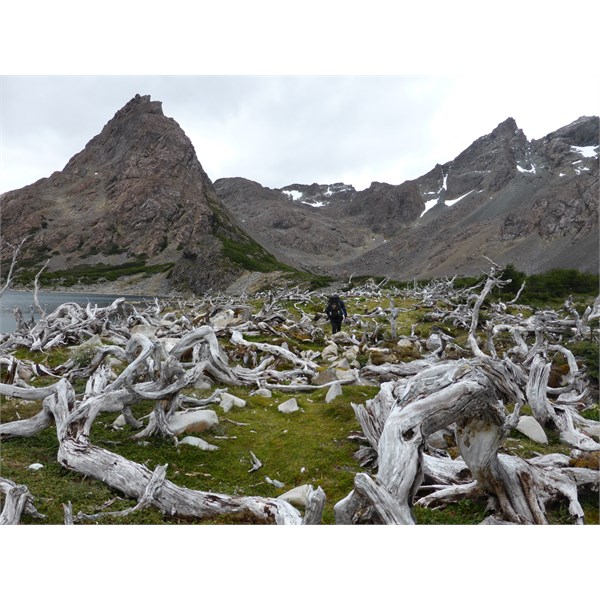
<point x="471" y="396"/>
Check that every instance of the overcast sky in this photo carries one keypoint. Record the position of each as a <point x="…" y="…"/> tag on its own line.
<point x="283" y="130"/>
<point x="265" y="105"/>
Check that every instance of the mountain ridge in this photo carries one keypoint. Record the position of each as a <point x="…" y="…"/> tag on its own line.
<point x="532" y="203"/>
<point x="137" y="194"/>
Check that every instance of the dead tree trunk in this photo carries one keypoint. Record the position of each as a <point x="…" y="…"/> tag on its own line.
<point x="471" y="394"/>
<point x="130" y="478"/>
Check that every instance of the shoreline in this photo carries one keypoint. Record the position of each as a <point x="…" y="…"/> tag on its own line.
<point x="88" y="291"/>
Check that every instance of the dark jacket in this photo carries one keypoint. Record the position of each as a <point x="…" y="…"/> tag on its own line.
<point x="336" y="309"/>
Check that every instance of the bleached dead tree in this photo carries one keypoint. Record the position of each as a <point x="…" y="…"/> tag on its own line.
<point x="73" y="423"/>
<point x="469" y="396"/>
<point x="16" y="251"/>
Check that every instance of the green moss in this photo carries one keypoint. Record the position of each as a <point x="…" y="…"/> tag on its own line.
<point x="87" y="274"/>
<point x="464" y="512"/>
<point x="308" y="446"/>
<point x="592" y="413"/>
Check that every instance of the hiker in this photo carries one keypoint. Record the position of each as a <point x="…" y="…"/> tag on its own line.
<point x="336" y="312"/>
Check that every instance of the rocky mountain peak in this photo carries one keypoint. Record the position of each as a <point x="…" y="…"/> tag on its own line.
<point x="507" y="128"/>
<point x="530" y="203"/>
<point x="582" y="132"/>
<point x="137" y="138"/>
<point x="135" y="193"/>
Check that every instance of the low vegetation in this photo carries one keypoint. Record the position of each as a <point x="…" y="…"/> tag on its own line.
<point x="90" y="274"/>
<point x="319" y="444"/>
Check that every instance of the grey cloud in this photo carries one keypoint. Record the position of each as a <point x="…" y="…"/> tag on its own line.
<point x="278" y="130"/>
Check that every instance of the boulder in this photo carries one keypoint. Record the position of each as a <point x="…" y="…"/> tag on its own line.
<point x="405" y="343"/>
<point x="298" y="495"/>
<point x="592" y="429"/>
<point x="199" y="443"/>
<point x="439" y="439"/>
<point x="169" y="343"/>
<point x="24" y="373"/>
<point x="351" y="354"/>
<point x="228" y="401"/>
<point x="263" y="392"/>
<point x="147" y="330"/>
<point x="329" y="351"/>
<point x="35" y="466"/>
<point x="289" y="406"/>
<point x="202" y="384"/>
<point x="118" y="422"/>
<point x="346" y="374"/>
<point x="193" y="421"/>
<point x="88" y="347"/>
<point x="334" y="391"/>
<point x="222" y="319"/>
<point x="532" y="429"/>
<point x="433" y="342"/>
<point x="341" y="364"/>
<point x="326" y="376"/>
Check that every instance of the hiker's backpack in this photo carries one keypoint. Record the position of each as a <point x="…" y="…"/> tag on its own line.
<point x="335" y="310"/>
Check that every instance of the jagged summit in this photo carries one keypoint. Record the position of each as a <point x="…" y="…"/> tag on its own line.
<point x="135" y="193"/>
<point x="140" y="122"/>
<point x="532" y="203"/>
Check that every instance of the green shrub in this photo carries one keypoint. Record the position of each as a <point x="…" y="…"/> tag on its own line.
<point x="86" y="274"/>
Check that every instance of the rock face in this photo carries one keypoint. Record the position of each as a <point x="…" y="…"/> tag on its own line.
<point x="136" y="192"/>
<point x="294" y="231"/>
<point x="530" y="203"/>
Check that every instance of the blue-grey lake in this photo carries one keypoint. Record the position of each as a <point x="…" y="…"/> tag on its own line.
<point x="49" y="301"/>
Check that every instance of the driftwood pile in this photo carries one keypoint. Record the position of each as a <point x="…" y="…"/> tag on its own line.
<point x="472" y="392"/>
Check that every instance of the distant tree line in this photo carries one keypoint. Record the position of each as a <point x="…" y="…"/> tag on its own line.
<point x="556" y="284"/>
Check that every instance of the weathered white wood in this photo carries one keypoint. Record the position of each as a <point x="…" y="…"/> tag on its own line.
<point x="256" y="464"/>
<point x="418" y="399"/>
<point x="307" y="365"/>
<point x="389" y="509"/>
<point x="75" y="452"/>
<point x="449" y="494"/>
<point x="36" y="290"/>
<point x="13" y="262"/>
<point x="141" y="345"/>
<point x="472" y="399"/>
<point x="315" y="503"/>
<point x="156" y="481"/>
<point x="472" y="337"/>
<point x="17" y="500"/>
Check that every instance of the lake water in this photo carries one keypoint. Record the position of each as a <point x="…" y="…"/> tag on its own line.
<point x="49" y="301"/>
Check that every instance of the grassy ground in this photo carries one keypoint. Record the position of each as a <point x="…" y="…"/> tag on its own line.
<point x="309" y="446"/>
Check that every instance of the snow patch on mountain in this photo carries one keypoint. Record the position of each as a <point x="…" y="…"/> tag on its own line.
<point x="452" y="202"/>
<point x="315" y="204"/>
<point x="294" y="194"/>
<point x="586" y="151"/>
<point x="523" y="170"/>
<point x="429" y="204"/>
